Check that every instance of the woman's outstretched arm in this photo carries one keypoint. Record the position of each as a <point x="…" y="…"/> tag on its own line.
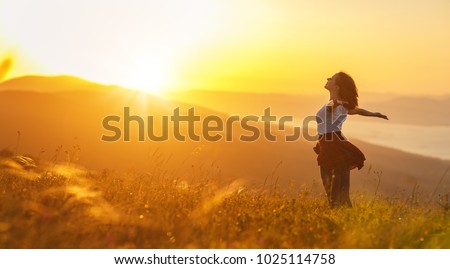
<point x="363" y="112"/>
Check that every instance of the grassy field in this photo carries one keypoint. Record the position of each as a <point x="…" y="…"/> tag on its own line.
<point x="68" y="207"/>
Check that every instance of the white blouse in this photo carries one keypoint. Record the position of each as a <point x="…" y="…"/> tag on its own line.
<point x="330" y="119"/>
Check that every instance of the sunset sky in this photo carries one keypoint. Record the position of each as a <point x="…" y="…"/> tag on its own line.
<point x="396" y="46"/>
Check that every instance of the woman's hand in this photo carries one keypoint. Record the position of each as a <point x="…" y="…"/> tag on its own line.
<point x="363" y="112"/>
<point x="379" y="115"/>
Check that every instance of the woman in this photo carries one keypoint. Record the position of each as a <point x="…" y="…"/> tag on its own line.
<point x="337" y="156"/>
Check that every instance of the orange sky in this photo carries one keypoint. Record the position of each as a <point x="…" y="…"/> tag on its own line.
<point x="252" y="45"/>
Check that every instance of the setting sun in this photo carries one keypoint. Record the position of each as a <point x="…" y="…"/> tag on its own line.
<point x="138" y="45"/>
<point x="146" y="77"/>
<point x="265" y="46"/>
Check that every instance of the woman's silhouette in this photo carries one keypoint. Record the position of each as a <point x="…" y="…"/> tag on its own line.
<point x="336" y="155"/>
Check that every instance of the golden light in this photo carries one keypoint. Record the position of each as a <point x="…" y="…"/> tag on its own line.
<point x="136" y="45"/>
<point x="146" y="77"/>
<point x="281" y="46"/>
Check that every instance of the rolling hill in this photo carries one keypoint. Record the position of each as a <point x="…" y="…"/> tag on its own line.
<point x="62" y="124"/>
<point x="417" y="110"/>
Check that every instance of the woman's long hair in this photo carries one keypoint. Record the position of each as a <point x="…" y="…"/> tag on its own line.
<point x="347" y="90"/>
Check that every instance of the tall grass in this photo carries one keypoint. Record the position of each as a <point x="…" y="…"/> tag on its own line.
<point x="67" y="207"/>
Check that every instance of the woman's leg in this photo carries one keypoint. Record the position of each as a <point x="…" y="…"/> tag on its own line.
<point x="341" y="188"/>
<point x="327" y="177"/>
<point x="336" y="185"/>
<point x="346" y="187"/>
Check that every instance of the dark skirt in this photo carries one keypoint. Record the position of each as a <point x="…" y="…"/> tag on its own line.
<point x="335" y="152"/>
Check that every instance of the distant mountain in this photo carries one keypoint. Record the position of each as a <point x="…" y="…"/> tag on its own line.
<point x="50" y="84"/>
<point x="246" y="103"/>
<point x="418" y="110"/>
<point x="61" y="124"/>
